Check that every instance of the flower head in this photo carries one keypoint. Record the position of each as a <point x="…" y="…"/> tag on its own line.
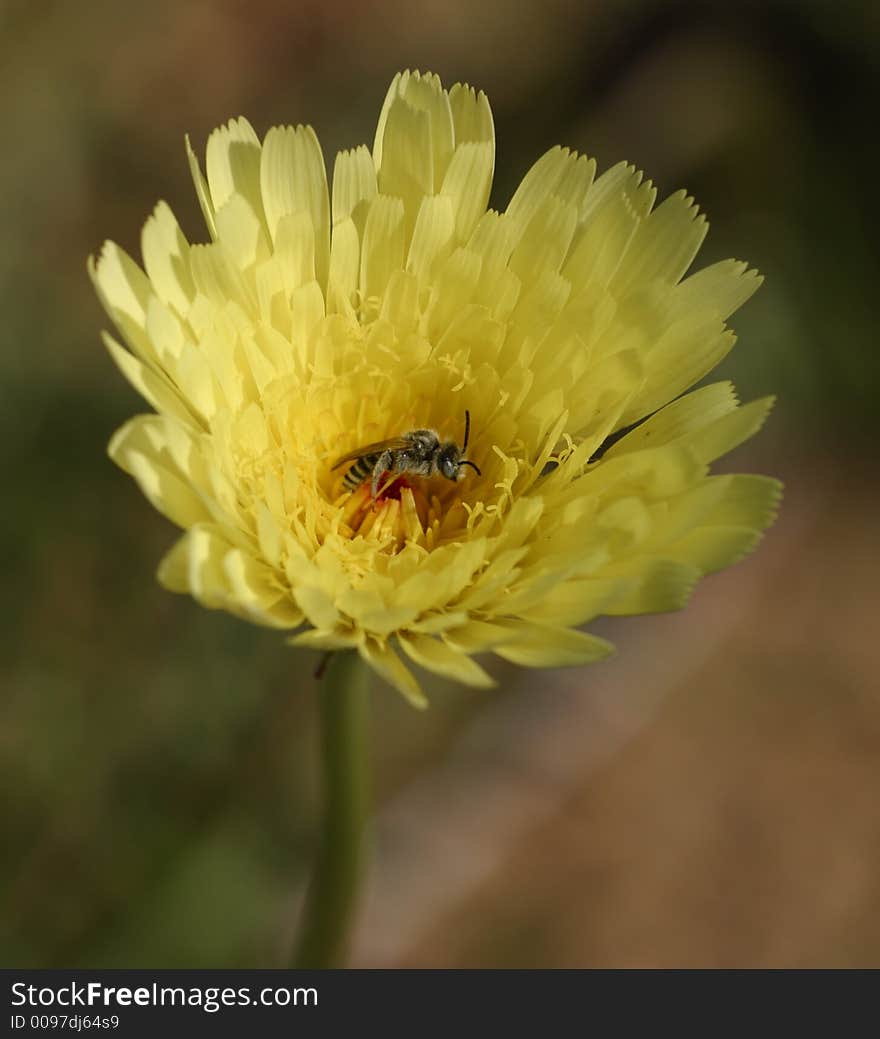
<point x="318" y="321"/>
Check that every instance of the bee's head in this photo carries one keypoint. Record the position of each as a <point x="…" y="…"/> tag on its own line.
<point x="450" y="463"/>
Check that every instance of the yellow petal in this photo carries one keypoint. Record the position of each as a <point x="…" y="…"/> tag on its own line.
<point x="293" y="179"/>
<point x="156" y="389"/>
<point x="241" y="232"/>
<point x="558" y="172"/>
<point x="166" y="259"/>
<point x="414" y="140"/>
<point x="232" y="163"/>
<point x="467" y="184"/>
<point x="345" y="265"/>
<point x="432" y="237"/>
<point x="720" y="288"/>
<point x="327" y="640"/>
<point x="387" y="663"/>
<point x="539" y="645"/>
<point x="545" y="240"/>
<point x="471" y="116"/>
<point x="434" y="655"/>
<point x="686" y="352"/>
<point x="354" y="186"/>
<point x="166" y="461"/>
<point x="713" y="548"/>
<point x="655" y="585"/>
<point x="167" y="492"/>
<point x="575" y="602"/>
<point x="254" y="588"/>
<point x="688" y="414"/>
<point x="317" y="605"/>
<point x="727" y="432"/>
<point x="124" y="291"/>
<point x="610" y="217"/>
<point x="202" y="190"/>
<point x="664" y="244"/>
<point x="477" y="636"/>
<point x="221" y="577"/>
<point x="383" y="246"/>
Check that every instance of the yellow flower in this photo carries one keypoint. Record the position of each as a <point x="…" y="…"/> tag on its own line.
<point x="317" y="321"/>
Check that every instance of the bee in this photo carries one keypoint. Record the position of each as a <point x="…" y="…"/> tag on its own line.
<point x="419" y="452"/>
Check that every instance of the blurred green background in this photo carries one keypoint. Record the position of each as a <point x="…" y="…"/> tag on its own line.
<point x="709" y="797"/>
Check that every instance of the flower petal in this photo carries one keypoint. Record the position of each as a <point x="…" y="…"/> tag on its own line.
<point x="539" y="645"/>
<point x="383" y="246"/>
<point x="664" y="244"/>
<point x="220" y="576"/>
<point x="387" y="663"/>
<point x="442" y="659"/>
<point x="414" y="141"/>
<point x="354" y="186"/>
<point x="293" y="179"/>
<point x="232" y="163"/>
<point x="154" y="387"/>
<point x="202" y="190"/>
<point x="165" y="251"/>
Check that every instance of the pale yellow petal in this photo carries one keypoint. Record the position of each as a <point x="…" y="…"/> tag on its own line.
<point x="471" y="115"/>
<point x="686" y="415"/>
<point x="293" y="179"/>
<point x="476" y="636"/>
<point x="559" y="172"/>
<point x="720" y="288"/>
<point x="317" y="606"/>
<point x="254" y="587"/>
<point x="383" y="246"/>
<point x="387" y="663"/>
<point x="442" y="659"/>
<point x="218" y="278"/>
<point x="686" y="352"/>
<point x="539" y="645"/>
<point x="729" y="431"/>
<point x="745" y="500"/>
<point x="414" y="140"/>
<point x="124" y="291"/>
<point x="713" y="548"/>
<point x="241" y="232"/>
<point x="664" y="244"/>
<point x="345" y="267"/>
<point x="232" y="163"/>
<point x="545" y="240"/>
<point x="166" y="491"/>
<point x="574" y="602"/>
<point x="327" y="640"/>
<point x="432" y="238"/>
<point x="202" y="190"/>
<point x="654" y="585"/>
<point x="155" y="388"/>
<point x="354" y="186"/>
<point x="467" y="184"/>
<point x="166" y="259"/>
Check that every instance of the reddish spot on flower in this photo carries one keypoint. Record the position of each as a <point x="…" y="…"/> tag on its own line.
<point x="393" y="489"/>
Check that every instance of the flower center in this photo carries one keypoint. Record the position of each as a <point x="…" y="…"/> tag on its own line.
<point x="403" y="511"/>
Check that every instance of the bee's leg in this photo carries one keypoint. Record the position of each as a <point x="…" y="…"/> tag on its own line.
<point x="383" y="463"/>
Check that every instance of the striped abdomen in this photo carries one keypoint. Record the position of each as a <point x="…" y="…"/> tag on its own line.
<point x="361" y="470"/>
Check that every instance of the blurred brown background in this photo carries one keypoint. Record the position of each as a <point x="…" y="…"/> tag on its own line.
<point x="709" y="797"/>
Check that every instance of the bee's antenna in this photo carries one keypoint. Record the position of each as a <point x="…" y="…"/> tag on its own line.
<point x="467" y="429"/>
<point x="475" y="468"/>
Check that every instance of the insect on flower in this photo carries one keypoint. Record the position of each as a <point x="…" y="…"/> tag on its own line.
<point x="417" y="453"/>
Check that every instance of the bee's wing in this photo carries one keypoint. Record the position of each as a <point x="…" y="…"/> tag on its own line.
<point x="394" y="444"/>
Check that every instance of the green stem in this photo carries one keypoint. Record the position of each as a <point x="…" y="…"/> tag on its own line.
<point x="333" y="890"/>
